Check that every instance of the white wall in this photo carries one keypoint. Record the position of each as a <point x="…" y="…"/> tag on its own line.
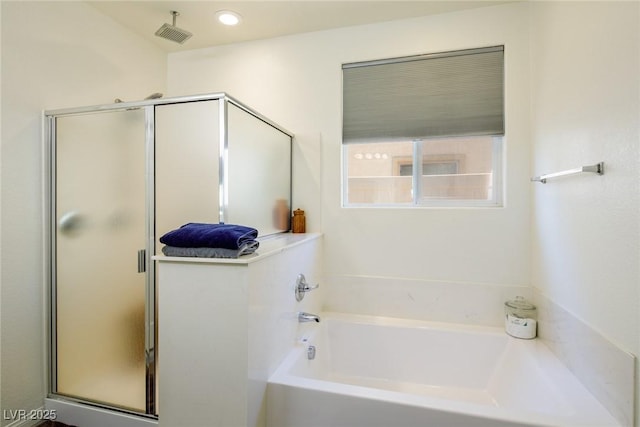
<point x="296" y="81"/>
<point x="54" y="55"/>
<point x="585" y="104"/>
<point x="586" y="109"/>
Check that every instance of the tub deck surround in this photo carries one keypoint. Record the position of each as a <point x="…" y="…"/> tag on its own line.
<point x="375" y="371"/>
<point x="269" y="246"/>
<point x="606" y="370"/>
<point x="225" y="325"/>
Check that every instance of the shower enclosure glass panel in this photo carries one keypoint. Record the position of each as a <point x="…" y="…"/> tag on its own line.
<point x="100" y="215"/>
<point x="259" y="173"/>
<point x="186" y="163"/>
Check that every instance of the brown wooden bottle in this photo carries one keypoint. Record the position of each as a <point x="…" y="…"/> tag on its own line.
<point x="298" y="224"/>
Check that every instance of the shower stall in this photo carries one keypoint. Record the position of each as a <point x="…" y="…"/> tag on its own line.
<point x="120" y="176"/>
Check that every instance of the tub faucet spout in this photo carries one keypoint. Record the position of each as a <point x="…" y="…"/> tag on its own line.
<point x="307" y="317"/>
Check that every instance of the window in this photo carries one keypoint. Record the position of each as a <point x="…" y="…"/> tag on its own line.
<point x="424" y="130"/>
<point x="452" y="171"/>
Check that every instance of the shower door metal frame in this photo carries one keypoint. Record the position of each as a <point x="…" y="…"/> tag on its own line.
<point x="51" y="254"/>
<point x="150" y="323"/>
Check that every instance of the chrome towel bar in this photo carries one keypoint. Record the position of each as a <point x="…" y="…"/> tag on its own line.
<point x="597" y="168"/>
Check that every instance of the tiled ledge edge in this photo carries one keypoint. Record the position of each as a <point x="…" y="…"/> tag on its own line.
<point x="607" y="371"/>
<point x="431" y="300"/>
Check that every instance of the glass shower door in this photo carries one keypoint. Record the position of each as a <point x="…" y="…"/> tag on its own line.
<point x="100" y="219"/>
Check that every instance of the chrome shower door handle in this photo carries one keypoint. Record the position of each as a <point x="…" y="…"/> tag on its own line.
<point x="303" y="287"/>
<point x="142" y="260"/>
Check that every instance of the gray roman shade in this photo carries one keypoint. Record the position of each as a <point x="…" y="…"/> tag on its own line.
<point x="437" y="95"/>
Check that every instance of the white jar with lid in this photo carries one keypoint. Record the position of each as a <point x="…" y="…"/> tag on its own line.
<point x="520" y="320"/>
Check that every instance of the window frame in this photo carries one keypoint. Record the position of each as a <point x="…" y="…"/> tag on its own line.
<point x="418" y="201"/>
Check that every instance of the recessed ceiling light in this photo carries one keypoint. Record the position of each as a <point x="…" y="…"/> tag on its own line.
<point x="228" y="17"/>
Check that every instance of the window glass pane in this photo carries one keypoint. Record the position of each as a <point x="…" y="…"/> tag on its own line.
<point x="457" y="168"/>
<point x="377" y="173"/>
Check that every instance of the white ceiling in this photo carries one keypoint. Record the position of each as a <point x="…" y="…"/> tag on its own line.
<point x="264" y="19"/>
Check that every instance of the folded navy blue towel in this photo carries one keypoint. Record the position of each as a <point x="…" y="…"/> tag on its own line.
<point x="198" y="235"/>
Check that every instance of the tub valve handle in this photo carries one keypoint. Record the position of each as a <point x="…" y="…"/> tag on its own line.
<point x="303" y="287"/>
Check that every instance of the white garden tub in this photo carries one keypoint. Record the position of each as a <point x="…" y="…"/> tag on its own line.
<point x="373" y="371"/>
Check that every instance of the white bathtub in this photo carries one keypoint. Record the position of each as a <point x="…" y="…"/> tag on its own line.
<point x="373" y="371"/>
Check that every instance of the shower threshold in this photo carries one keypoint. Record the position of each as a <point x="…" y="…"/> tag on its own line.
<point x="80" y="415"/>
